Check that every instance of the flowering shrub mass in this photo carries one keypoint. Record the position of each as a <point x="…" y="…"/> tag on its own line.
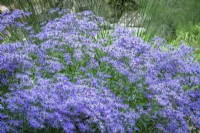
<point x="73" y="76"/>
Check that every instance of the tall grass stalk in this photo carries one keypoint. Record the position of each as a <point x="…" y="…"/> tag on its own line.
<point x="164" y="18"/>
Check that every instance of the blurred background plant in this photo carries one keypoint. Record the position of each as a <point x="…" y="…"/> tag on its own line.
<point x="169" y="18"/>
<point x="191" y="37"/>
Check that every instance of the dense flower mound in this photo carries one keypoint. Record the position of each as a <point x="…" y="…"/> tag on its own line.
<point x="13" y="56"/>
<point x="71" y="77"/>
<point x="67" y="105"/>
<point x="169" y="75"/>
